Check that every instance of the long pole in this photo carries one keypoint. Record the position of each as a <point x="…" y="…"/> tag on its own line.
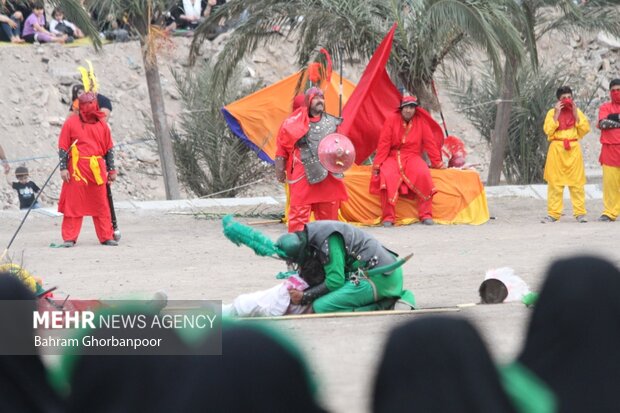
<point x="445" y="128"/>
<point x="31" y="205"/>
<point x="117" y="232"/>
<point x="340" y="90"/>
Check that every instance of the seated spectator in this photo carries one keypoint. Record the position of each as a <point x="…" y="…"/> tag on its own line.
<point x="10" y="23"/>
<point x="219" y="27"/>
<point x="115" y="30"/>
<point x="25" y="7"/>
<point x="574" y="335"/>
<point x="26" y="189"/>
<point x="24" y="385"/>
<point x="271" y="377"/>
<point x="102" y="381"/>
<point x="34" y="28"/>
<point x="110" y="26"/>
<point x="438" y="365"/>
<point x="60" y="26"/>
<point x="188" y="14"/>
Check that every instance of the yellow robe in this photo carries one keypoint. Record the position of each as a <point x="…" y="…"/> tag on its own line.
<point x="565" y="167"/>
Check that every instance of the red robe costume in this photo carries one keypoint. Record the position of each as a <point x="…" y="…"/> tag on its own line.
<point x="610" y="159"/>
<point x="85" y="194"/>
<point x="322" y="198"/>
<point x="610" y="138"/>
<point x="402" y="171"/>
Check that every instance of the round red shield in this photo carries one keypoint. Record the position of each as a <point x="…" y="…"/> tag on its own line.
<point x="336" y="153"/>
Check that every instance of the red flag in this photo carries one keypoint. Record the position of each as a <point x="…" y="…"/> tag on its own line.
<point x="374" y="98"/>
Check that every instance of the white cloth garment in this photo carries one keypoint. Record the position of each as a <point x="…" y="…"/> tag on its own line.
<point x="275" y="301"/>
<point x="515" y="285"/>
<point x="192" y="8"/>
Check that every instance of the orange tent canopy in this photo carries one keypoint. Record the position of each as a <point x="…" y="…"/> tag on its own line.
<point x="256" y="118"/>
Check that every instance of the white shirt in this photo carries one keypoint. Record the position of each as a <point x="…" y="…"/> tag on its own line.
<point x="54" y="23"/>
<point x="192" y="9"/>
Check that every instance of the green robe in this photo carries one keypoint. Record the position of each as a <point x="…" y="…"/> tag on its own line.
<point x="367" y="295"/>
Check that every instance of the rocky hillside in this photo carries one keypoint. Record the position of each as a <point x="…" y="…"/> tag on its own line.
<point x="35" y="82"/>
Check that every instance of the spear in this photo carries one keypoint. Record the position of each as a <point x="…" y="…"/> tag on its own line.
<point x="31" y="205"/>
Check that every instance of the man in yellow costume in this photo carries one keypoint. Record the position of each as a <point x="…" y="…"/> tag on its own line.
<point x="564" y="126"/>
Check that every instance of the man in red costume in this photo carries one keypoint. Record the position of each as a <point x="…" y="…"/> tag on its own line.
<point x="398" y="167"/>
<point x="609" y="124"/>
<point x="312" y="188"/>
<point x="86" y="167"/>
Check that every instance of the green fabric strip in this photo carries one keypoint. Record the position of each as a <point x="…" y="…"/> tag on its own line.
<point x="528" y="393"/>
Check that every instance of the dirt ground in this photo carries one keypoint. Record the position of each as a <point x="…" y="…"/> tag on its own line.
<point x="190" y="259"/>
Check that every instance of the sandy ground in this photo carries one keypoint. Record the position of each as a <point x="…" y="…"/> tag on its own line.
<point x="191" y="259"/>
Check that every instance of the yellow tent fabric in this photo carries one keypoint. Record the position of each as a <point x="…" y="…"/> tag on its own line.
<point x="261" y="113"/>
<point x="460" y="199"/>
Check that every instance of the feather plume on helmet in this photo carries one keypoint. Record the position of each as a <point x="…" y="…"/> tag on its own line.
<point x="240" y="233"/>
<point x="88" y="78"/>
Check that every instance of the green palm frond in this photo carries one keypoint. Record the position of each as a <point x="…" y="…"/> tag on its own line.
<point x="428" y="32"/>
<point x="208" y="154"/>
<point x="591" y="16"/>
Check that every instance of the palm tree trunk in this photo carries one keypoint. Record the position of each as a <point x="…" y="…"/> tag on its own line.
<point x="499" y="138"/>
<point x="424" y="92"/>
<point x="421" y="89"/>
<point x="162" y="134"/>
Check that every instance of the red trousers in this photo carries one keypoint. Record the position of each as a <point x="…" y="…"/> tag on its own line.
<point x="103" y="227"/>
<point x="299" y="215"/>
<point x="425" y="209"/>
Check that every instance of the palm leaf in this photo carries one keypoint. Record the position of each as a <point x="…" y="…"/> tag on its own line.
<point x="428" y="32"/>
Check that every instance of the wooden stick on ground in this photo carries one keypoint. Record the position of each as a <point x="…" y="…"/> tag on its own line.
<point x="356" y="314"/>
<point x="269" y="221"/>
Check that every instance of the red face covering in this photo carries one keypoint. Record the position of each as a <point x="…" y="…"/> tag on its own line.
<point x="615" y="96"/>
<point x="89" y="108"/>
<point x="568" y="103"/>
<point x="566" y="119"/>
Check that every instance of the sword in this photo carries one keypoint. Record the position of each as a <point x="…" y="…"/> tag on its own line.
<point x="387" y="268"/>
<point x="117" y="232"/>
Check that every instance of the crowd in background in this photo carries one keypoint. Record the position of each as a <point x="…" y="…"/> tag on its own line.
<point x="32" y="21"/>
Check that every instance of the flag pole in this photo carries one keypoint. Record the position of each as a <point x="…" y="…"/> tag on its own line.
<point x="340" y="90"/>
<point x="443" y="120"/>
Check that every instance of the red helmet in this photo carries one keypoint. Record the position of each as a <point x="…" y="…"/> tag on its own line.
<point x="336" y="153"/>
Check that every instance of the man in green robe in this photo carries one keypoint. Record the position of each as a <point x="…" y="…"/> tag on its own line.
<point x="360" y="273"/>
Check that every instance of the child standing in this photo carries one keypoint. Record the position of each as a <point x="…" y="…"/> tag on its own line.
<point x="26" y="189"/>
